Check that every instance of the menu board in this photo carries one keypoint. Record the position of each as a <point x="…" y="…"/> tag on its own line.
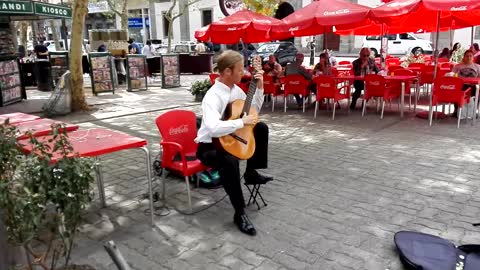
<point x="6" y="39"/>
<point x="10" y="84"/>
<point x="59" y="63"/>
<point x="101" y="72"/>
<point x="170" y="71"/>
<point x="136" y="72"/>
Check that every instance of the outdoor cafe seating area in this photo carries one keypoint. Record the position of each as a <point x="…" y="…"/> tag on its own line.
<point x="416" y="82"/>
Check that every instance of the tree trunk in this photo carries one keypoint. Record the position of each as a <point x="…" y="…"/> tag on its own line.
<point x="170" y="35"/>
<point x="55" y="36"/>
<point x="124" y="17"/>
<point x="78" y="21"/>
<point x="23" y="34"/>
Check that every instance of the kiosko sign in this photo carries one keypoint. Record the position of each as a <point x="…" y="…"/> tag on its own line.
<point x="52" y="10"/>
<point x="18" y="7"/>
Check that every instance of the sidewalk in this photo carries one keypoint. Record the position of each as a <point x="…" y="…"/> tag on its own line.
<point x="342" y="189"/>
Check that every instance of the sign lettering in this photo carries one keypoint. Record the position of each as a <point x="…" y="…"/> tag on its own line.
<point x="18" y="7"/>
<point x="52" y="10"/>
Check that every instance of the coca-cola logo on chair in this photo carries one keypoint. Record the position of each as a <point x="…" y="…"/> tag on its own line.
<point x="178" y="130"/>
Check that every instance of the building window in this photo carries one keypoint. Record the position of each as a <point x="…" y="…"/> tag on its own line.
<point x="477" y="32"/>
<point x="166" y="24"/>
<point x="206" y="17"/>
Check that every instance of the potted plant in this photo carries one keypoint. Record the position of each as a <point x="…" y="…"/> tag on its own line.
<point x="200" y="88"/>
<point x="42" y="201"/>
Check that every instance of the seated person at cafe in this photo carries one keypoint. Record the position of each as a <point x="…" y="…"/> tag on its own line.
<point x="323" y="67"/>
<point x="272" y="68"/>
<point x="467" y="69"/>
<point x="41" y="51"/>
<point x="297" y="68"/>
<point x="362" y="66"/>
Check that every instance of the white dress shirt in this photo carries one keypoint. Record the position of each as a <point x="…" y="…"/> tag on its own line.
<point x="213" y="106"/>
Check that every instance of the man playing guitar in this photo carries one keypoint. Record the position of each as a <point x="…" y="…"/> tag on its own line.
<point x="223" y="92"/>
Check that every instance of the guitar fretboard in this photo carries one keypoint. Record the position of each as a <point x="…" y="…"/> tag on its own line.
<point x="251" y="92"/>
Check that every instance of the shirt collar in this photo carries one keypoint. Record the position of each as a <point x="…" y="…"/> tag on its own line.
<point x="223" y="86"/>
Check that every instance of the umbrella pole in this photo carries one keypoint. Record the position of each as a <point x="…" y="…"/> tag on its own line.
<point x="473" y="33"/>
<point x="451" y="37"/>
<point x="435" y="52"/>
<point x="383" y="54"/>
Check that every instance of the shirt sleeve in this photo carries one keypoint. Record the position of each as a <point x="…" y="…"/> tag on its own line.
<point x="258" y="99"/>
<point x="212" y="118"/>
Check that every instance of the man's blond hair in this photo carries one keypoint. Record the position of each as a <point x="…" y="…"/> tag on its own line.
<point x="228" y="59"/>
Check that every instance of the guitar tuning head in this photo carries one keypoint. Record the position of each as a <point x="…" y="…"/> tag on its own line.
<point x="257" y="63"/>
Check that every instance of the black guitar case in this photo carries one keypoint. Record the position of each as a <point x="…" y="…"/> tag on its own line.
<point x="420" y="251"/>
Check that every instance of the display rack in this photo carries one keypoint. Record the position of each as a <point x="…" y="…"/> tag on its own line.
<point x="170" y="70"/>
<point x="10" y="83"/>
<point x="59" y="63"/>
<point x="101" y="72"/>
<point x="6" y="38"/>
<point x="136" y="72"/>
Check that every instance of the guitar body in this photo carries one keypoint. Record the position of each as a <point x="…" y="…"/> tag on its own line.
<point x="242" y="149"/>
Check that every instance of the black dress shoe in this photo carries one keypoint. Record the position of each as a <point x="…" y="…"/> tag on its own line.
<point x="252" y="177"/>
<point x="244" y="224"/>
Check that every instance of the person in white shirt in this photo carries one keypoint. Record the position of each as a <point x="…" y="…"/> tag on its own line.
<point x="148" y="52"/>
<point x="223" y="92"/>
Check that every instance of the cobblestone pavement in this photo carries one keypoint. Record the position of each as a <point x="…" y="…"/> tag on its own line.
<point x="342" y="189"/>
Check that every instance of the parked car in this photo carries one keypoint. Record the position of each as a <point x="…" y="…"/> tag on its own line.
<point x="398" y="43"/>
<point x="284" y="52"/>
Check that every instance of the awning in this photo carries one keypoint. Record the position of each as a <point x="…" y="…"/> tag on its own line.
<point x="32" y="8"/>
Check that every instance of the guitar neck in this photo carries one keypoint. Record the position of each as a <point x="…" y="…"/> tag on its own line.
<point x="251" y="92"/>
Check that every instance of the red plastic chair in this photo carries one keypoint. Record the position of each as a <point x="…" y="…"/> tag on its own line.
<point x="213" y="77"/>
<point x="376" y="86"/>
<point x="244" y="86"/>
<point x="394" y="68"/>
<point x="295" y="84"/>
<point x="341" y="63"/>
<point x="448" y="90"/>
<point x="445" y="65"/>
<point x="178" y="130"/>
<point x="416" y="65"/>
<point x="392" y="62"/>
<point x="270" y="87"/>
<point x="327" y="89"/>
<point x="443" y="60"/>
<point x="408" y="90"/>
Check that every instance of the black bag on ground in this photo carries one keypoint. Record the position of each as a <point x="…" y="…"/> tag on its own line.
<point x="420" y="251"/>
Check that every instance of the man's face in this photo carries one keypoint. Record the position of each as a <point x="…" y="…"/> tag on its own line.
<point x="236" y="72"/>
<point x="271" y="59"/>
<point x="364" y="54"/>
<point x="300" y="60"/>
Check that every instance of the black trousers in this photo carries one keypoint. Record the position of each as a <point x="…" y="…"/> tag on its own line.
<point x="359" y="86"/>
<point x="151" y="66"/>
<point x="228" y="165"/>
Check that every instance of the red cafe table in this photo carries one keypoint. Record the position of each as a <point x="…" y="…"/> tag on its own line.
<point x="40" y="127"/>
<point x="99" y="141"/>
<point x="17" y="117"/>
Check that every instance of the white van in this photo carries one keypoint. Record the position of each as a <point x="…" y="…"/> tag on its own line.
<point x="398" y="43"/>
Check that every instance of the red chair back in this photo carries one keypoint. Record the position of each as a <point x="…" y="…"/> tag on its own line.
<point x="443" y="60"/>
<point x="416" y="65"/>
<point x="213" y="76"/>
<point x="295" y="84"/>
<point x="404" y="72"/>
<point x="335" y="72"/>
<point x="341" y="63"/>
<point x="269" y="86"/>
<point x="374" y="85"/>
<point x="449" y="90"/>
<point x="392" y="62"/>
<point x="445" y="65"/>
<point x="326" y="87"/>
<point x="394" y="68"/>
<point x="178" y="126"/>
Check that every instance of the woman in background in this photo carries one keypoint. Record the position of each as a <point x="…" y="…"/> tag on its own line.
<point x="323" y="67"/>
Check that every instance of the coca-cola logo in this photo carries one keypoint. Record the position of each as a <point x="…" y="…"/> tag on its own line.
<point x="326" y="85"/>
<point x="447" y="87"/>
<point x="376" y="83"/>
<point x="178" y="130"/>
<point x="295" y="82"/>
<point x="336" y="12"/>
<point x="231" y="29"/>
<point x="293" y="28"/>
<point x="460" y="8"/>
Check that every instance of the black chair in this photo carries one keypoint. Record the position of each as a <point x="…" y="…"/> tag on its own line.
<point x="254" y="190"/>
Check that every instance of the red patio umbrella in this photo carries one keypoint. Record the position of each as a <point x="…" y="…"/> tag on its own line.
<point x="320" y="17"/>
<point x="246" y="25"/>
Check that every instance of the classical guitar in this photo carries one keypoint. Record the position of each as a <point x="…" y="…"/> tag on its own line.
<point x="241" y="143"/>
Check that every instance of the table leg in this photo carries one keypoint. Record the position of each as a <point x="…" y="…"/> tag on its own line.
<point x="101" y="187"/>
<point x="149" y="181"/>
<point x="417" y="92"/>
<point x="402" y="99"/>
